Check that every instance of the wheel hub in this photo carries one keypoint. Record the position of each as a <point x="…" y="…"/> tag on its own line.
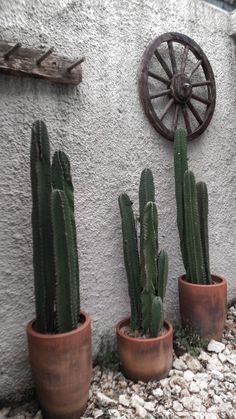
<point x="181" y="87"/>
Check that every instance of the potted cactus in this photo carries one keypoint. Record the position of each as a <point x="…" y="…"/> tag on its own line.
<point x="202" y="296"/>
<point x="59" y="339"/>
<point x="145" y="339"/>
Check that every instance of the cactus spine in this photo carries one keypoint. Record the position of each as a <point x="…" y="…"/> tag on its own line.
<point x="192" y="215"/>
<point x="56" y="271"/>
<point x="147" y="290"/>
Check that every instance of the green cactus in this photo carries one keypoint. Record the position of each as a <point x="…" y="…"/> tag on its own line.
<point x="192" y="227"/>
<point x="61" y="179"/>
<point x="192" y="215"/>
<point x="131" y="258"/>
<point x="66" y="308"/>
<point x="157" y="317"/>
<point x="162" y="273"/>
<point x="146" y="194"/>
<point x="181" y="165"/>
<point x="44" y="275"/>
<point x="146" y="300"/>
<point x="202" y="196"/>
<point x="56" y="272"/>
<point x="150" y="262"/>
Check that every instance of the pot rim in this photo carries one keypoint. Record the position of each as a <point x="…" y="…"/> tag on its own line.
<point x="54" y="336"/>
<point x="168" y="326"/>
<point x="222" y="281"/>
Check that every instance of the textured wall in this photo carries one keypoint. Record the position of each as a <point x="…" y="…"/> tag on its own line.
<point x="102" y="127"/>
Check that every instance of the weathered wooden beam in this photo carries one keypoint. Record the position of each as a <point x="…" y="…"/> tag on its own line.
<point x="19" y="61"/>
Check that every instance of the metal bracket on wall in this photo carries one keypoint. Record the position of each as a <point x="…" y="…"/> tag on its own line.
<point x="19" y="61"/>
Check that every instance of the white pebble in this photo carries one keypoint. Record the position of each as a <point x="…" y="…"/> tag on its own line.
<point x="215" y="346"/>
<point x="123" y="399"/>
<point x="193" y="388"/>
<point x="178" y="407"/>
<point x="188" y="375"/>
<point x="179" y="364"/>
<point x="157" y="392"/>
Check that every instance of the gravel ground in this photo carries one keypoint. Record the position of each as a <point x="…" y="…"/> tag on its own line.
<point x="202" y="387"/>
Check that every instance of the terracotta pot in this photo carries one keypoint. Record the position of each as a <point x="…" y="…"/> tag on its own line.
<point x="203" y="307"/>
<point x="61" y="366"/>
<point x="145" y="359"/>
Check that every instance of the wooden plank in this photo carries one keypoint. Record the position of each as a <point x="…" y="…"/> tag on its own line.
<point x="39" y="64"/>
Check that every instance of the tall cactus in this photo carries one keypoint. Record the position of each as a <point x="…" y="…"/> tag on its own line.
<point x="150" y="262"/>
<point x="44" y="276"/>
<point x="192" y="228"/>
<point x="131" y="258"/>
<point x="66" y="307"/>
<point x="202" y="196"/>
<point x="181" y="165"/>
<point x="56" y="272"/>
<point x="61" y="179"/>
<point x="192" y="215"/>
<point x="147" y="298"/>
<point x="146" y="194"/>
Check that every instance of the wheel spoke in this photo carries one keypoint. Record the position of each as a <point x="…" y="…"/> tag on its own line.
<point x="166" y="109"/>
<point x="163" y="93"/>
<point x="172" y="56"/>
<point x="163" y="64"/>
<point x="176" y="117"/>
<point x="202" y="83"/>
<point x="201" y="99"/>
<point x="195" y="68"/>
<point x="184" y="58"/>
<point x="186" y="119"/>
<point x="157" y="77"/>
<point x="195" y="112"/>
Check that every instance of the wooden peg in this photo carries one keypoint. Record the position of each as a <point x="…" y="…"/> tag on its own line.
<point x="44" y="56"/>
<point x="75" y="64"/>
<point x="12" y="50"/>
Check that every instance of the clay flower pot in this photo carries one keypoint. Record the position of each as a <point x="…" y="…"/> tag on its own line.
<point x="145" y="359"/>
<point x="61" y="366"/>
<point x="203" y="307"/>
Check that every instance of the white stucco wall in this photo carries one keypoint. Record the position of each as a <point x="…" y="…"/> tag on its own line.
<point x="101" y="125"/>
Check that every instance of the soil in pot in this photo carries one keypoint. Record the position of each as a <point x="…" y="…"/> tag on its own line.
<point x="145" y="358"/>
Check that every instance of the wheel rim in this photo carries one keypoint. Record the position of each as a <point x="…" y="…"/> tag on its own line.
<point x="178" y="69"/>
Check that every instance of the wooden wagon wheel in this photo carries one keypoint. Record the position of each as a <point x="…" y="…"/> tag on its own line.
<point x="175" y="68"/>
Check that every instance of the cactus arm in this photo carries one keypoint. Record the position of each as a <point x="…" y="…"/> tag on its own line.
<point x="202" y="196"/>
<point x="193" y="238"/>
<point x="146" y="191"/>
<point x="44" y="275"/>
<point x="157" y="316"/>
<point x="146" y="300"/>
<point x="149" y="246"/>
<point x="131" y="258"/>
<point x="181" y="165"/>
<point x="66" y="309"/>
<point x="150" y="263"/>
<point x="61" y="176"/>
<point x="162" y="275"/>
<point x="61" y="179"/>
<point x="146" y="194"/>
